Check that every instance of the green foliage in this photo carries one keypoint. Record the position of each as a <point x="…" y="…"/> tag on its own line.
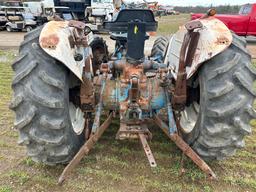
<point x="5" y="189"/>
<point x="170" y="24"/>
<point x="20" y="176"/>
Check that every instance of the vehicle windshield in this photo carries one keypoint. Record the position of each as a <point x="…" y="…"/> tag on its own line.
<point x="67" y="16"/>
<point x="28" y="16"/>
<point x="245" y="10"/>
<point x="102" y="1"/>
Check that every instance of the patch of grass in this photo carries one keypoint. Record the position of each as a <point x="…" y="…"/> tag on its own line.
<point x="20" y="176"/>
<point x="208" y="188"/>
<point x="241" y="165"/>
<point x="101" y="173"/>
<point x="159" y="170"/>
<point x="247" y="154"/>
<point x="115" y="161"/>
<point x="12" y="133"/>
<point x="3" y="144"/>
<point x="28" y="161"/>
<point x="5" y="189"/>
<point x="245" y="182"/>
<point x="124" y="150"/>
<point x="170" y="24"/>
<point x="44" y="179"/>
<point x="6" y="56"/>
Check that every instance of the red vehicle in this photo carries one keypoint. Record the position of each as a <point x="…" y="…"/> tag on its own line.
<point x="243" y="24"/>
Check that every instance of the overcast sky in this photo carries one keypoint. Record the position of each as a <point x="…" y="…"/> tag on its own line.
<point x="201" y="2"/>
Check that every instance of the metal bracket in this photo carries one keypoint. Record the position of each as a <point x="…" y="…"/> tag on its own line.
<point x="186" y="149"/>
<point x="85" y="149"/>
<point x="132" y="131"/>
<point x="187" y="53"/>
<point x="140" y="132"/>
<point x="147" y="150"/>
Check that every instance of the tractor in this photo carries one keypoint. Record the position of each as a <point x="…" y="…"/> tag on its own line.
<point x="196" y="86"/>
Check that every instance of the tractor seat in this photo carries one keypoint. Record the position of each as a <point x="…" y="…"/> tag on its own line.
<point x="122" y="36"/>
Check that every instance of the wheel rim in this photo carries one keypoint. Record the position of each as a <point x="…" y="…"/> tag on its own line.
<point x="189" y="118"/>
<point x="28" y="29"/>
<point x="77" y="119"/>
<point x="8" y="28"/>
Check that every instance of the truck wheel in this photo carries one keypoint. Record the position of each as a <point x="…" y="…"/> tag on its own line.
<point x="41" y="104"/>
<point x="160" y="48"/>
<point x="28" y="28"/>
<point x="8" y="28"/>
<point x="100" y="52"/>
<point x="219" y="110"/>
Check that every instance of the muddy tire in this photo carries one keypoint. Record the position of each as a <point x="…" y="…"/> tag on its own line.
<point x="41" y="104"/>
<point x="160" y="48"/>
<point x="226" y="104"/>
<point x="100" y="52"/>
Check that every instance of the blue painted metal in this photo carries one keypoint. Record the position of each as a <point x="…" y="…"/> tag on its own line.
<point x="119" y="55"/>
<point x="158" y="100"/>
<point x="116" y="93"/>
<point x="123" y="93"/>
<point x="96" y="123"/>
<point x="172" y="123"/>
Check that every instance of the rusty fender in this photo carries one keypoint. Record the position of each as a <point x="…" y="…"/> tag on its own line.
<point x="57" y="40"/>
<point x="214" y="38"/>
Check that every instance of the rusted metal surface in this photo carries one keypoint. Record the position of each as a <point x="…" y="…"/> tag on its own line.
<point x="133" y="82"/>
<point x="187" y="54"/>
<point x="210" y="13"/>
<point x="85" y="149"/>
<point x="188" y="151"/>
<point x="87" y="95"/>
<point x="180" y="92"/>
<point x="147" y="150"/>
<point x="132" y="131"/>
<point x="88" y="128"/>
<point x="87" y="98"/>
<point x="99" y="107"/>
<point x="53" y="40"/>
<point x="192" y="48"/>
<point x="215" y="37"/>
<point x="77" y="24"/>
<point x="193" y="25"/>
<point x="50" y="42"/>
<point x="133" y="90"/>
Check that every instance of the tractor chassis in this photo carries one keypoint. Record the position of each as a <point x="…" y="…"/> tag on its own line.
<point x="135" y="128"/>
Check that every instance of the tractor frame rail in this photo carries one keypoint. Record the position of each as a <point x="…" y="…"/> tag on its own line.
<point x="85" y="149"/>
<point x="185" y="148"/>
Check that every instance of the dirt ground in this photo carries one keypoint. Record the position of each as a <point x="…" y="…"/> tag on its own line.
<point x="114" y="166"/>
<point x="11" y="41"/>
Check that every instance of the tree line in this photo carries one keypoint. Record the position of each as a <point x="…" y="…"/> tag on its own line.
<point x="231" y="9"/>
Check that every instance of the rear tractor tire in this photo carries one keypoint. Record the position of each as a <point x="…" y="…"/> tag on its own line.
<point x="41" y="104"/>
<point x="160" y="48"/>
<point x="216" y="121"/>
